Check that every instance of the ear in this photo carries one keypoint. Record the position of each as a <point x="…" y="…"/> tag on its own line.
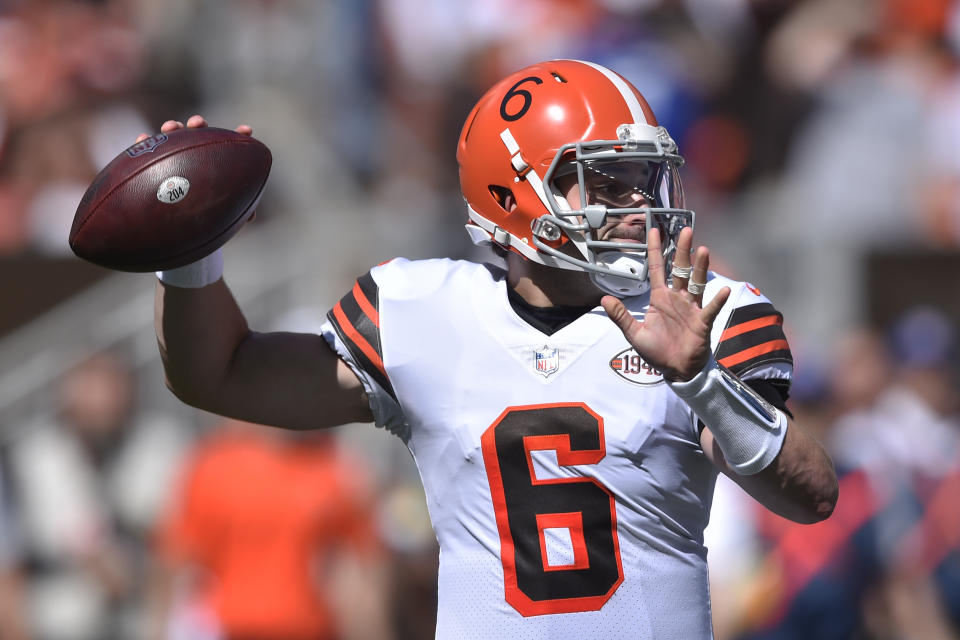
<point x="504" y="198"/>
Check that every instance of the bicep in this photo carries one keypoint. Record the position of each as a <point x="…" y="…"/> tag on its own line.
<point x="213" y="361"/>
<point x="290" y="380"/>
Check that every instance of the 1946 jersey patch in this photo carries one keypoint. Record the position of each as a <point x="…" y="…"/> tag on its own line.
<point x="630" y="366"/>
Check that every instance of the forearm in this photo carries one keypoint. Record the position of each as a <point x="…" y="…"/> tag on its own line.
<point x="757" y="445"/>
<point x="198" y="333"/>
<point x="800" y="484"/>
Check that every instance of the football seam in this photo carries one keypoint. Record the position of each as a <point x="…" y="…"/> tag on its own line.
<point x="147" y="166"/>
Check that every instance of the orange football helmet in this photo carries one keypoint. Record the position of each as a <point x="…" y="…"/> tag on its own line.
<point x="540" y="127"/>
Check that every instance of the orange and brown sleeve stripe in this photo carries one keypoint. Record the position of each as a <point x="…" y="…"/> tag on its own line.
<point x="753" y="336"/>
<point x="356" y="319"/>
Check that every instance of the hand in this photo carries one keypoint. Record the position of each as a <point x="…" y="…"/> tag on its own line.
<point x="675" y="333"/>
<point x="195" y="122"/>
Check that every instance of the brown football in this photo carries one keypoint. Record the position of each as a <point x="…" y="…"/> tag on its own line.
<point x="170" y="199"/>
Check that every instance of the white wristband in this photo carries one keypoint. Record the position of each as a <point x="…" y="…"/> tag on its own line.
<point x="196" y="274"/>
<point x="749" y="430"/>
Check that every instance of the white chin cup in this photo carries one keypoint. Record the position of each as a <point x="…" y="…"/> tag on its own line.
<point x="630" y="264"/>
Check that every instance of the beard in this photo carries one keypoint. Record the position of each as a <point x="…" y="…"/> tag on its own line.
<point x="629" y="232"/>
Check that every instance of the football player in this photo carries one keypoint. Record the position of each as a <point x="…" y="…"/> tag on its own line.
<point x="568" y="414"/>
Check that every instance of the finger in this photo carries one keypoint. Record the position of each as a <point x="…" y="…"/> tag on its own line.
<point x="655" y="260"/>
<point x="710" y="312"/>
<point x="701" y="263"/>
<point x="245" y="129"/>
<point x="141" y="137"/>
<point x="196" y="122"/>
<point x="171" y="125"/>
<point x="682" y="258"/>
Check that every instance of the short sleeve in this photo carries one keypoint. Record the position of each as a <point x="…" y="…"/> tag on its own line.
<point x="352" y="330"/>
<point x="751" y="342"/>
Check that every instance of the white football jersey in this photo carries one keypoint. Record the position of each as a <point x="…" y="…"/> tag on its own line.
<point x="565" y="481"/>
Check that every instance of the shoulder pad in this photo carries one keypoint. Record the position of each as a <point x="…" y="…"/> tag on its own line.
<point x="402" y="279"/>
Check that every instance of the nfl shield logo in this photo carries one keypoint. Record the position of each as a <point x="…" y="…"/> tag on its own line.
<point x="147" y="146"/>
<point x="546" y="360"/>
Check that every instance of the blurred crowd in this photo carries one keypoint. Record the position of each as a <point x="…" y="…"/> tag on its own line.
<point x="821" y="138"/>
<point x="119" y="522"/>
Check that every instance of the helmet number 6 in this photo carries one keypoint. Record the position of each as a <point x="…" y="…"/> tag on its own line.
<point x="523" y="93"/>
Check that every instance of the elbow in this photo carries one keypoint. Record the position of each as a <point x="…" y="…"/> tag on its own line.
<point x="807" y="495"/>
<point x="198" y="383"/>
<point x="182" y="392"/>
<point x="814" y="483"/>
<point x="827" y="491"/>
<point x="821" y="500"/>
<point x="188" y="392"/>
<point x="826" y="501"/>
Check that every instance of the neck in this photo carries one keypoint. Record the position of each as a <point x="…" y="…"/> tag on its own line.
<point x="543" y="286"/>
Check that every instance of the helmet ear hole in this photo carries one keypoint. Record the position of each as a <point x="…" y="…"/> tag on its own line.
<point x="504" y="197"/>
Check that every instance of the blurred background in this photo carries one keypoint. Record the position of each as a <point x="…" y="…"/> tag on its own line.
<point x="822" y="140"/>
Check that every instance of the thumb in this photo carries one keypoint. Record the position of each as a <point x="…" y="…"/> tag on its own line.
<point x="712" y="310"/>
<point x="618" y="313"/>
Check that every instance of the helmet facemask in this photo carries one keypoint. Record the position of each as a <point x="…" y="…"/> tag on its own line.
<point x="633" y="179"/>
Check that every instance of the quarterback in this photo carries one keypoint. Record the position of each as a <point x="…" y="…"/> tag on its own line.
<point x="568" y="414"/>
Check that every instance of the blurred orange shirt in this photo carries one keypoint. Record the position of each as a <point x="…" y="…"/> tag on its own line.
<point x="257" y="513"/>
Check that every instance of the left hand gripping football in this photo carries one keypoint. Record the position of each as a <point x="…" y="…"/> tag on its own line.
<point x="674" y="335"/>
